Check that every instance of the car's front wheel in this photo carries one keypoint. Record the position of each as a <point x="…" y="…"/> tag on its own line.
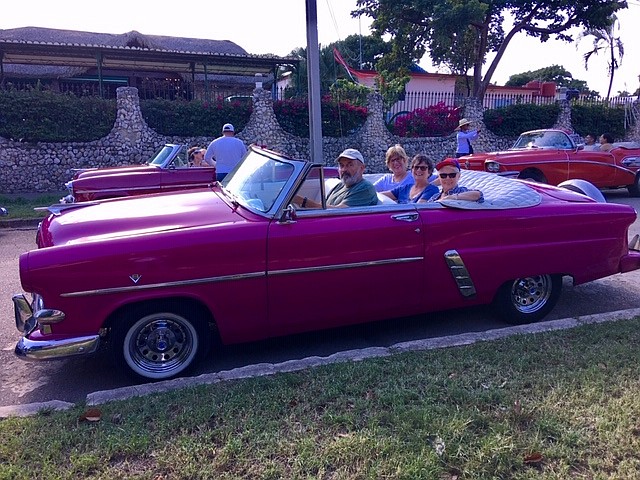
<point x="160" y="344"/>
<point x="634" y="189"/>
<point x="532" y="174"/>
<point x="529" y="299"/>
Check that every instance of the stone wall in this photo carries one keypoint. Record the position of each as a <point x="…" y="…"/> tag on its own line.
<point x="45" y="167"/>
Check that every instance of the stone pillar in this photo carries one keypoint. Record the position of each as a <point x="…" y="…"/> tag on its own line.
<point x="374" y="137"/>
<point x="129" y="126"/>
<point x="473" y="110"/>
<point x="633" y="132"/>
<point x="564" y="117"/>
<point x="263" y="128"/>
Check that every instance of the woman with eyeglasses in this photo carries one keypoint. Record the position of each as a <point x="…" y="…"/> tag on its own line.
<point x="449" y="174"/>
<point x="396" y="159"/>
<point x="420" y="190"/>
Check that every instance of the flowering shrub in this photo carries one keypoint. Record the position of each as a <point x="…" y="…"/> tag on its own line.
<point x="434" y="121"/>
<point x="338" y="118"/>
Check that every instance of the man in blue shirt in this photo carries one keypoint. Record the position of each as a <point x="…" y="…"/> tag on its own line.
<point x="226" y="150"/>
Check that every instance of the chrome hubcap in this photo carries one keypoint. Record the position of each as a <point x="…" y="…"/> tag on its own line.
<point x="530" y="294"/>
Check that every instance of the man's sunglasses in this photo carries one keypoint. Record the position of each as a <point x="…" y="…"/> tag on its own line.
<point x="420" y="167"/>
<point x="448" y="175"/>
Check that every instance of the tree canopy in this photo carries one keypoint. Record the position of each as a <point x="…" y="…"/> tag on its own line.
<point x="606" y="41"/>
<point x="461" y="33"/>
<point x="359" y="52"/>
<point x="554" y="73"/>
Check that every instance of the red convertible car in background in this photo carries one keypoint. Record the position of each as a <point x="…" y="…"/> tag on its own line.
<point x="168" y="170"/>
<point x="553" y="156"/>
<point x="155" y="277"/>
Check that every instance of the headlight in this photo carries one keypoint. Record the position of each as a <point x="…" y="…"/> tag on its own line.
<point x="631" y="162"/>
<point x="491" y="166"/>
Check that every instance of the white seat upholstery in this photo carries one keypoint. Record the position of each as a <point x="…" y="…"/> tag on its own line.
<point x="499" y="192"/>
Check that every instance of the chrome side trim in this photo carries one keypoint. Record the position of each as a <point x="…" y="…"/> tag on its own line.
<point x="51" y="349"/>
<point x="244" y="276"/>
<point x="106" y="291"/>
<point x="344" y="266"/>
<point x="460" y="273"/>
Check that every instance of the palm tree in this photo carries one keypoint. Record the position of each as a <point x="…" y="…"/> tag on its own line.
<point x="605" y="40"/>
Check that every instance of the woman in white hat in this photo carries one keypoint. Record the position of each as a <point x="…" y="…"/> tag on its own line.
<point x="465" y="136"/>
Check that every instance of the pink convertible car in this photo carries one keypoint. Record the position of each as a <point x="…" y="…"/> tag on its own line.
<point x="167" y="171"/>
<point x="155" y="277"/>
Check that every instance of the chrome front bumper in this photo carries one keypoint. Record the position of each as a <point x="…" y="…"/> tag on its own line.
<point x="27" y="322"/>
<point x="53" y="349"/>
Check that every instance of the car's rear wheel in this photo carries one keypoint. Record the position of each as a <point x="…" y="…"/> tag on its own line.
<point x="634" y="189"/>
<point x="528" y="299"/>
<point x="532" y="174"/>
<point x="162" y="343"/>
<point x="584" y="188"/>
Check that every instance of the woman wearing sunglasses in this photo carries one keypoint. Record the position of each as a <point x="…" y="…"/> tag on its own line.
<point x="449" y="174"/>
<point x="420" y="190"/>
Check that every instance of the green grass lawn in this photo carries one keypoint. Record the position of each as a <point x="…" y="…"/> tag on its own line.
<point x="556" y="405"/>
<point x="23" y="207"/>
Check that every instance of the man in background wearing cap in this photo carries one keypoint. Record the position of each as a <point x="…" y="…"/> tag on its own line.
<point x="465" y="136"/>
<point x="226" y="151"/>
<point x="352" y="191"/>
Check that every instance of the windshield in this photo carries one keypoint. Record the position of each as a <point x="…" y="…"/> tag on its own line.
<point x="161" y="156"/>
<point x="258" y="181"/>
<point x="543" y="139"/>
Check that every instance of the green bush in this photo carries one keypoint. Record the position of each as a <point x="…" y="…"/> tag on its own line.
<point x="194" y="118"/>
<point x="598" y="119"/>
<point x="42" y="116"/>
<point x="511" y="121"/>
<point x="338" y="118"/>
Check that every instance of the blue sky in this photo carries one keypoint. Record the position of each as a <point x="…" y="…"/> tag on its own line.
<point x="278" y="27"/>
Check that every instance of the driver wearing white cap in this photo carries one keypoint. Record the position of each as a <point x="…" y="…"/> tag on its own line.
<point x="352" y="191"/>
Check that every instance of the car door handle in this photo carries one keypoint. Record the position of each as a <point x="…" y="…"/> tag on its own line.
<point x="406" y="217"/>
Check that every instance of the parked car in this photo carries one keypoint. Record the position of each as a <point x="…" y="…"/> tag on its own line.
<point x="553" y="156"/>
<point x="168" y="170"/>
<point x="3" y="211"/>
<point x="154" y="277"/>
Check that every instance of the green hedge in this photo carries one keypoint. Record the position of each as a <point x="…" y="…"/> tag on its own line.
<point x="511" y="121"/>
<point x="196" y="118"/>
<point x="597" y="119"/>
<point x="42" y="116"/>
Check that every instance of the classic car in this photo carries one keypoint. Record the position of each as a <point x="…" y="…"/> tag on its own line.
<point x="168" y="170"/>
<point x="553" y="156"/>
<point x="156" y="277"/>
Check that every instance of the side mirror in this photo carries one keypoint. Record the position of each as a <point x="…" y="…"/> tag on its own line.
<point x="289" y="215"/>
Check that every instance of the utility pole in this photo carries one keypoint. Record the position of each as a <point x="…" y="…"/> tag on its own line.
<point x="313" y="72"/>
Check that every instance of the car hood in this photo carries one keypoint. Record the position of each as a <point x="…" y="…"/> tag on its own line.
<point x="477" y="159"/>
<point x="103" y="172"/>
<point x="144" y="215"/>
